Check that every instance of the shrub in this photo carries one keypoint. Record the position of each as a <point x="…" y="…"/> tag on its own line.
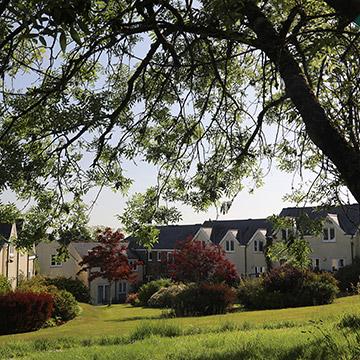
<point x="74" y="286"/>
<point x="165" y="296"/>
<point x="65" y="305"/>
<point x="287" y="287"/>
<point x="201" y="300"/>
<point x="24" y="311"/>
<point x="5" y="286"/>
<point x="132" y="299"/>
<point x="147" y="290"/>
<point x="348" y="276"/>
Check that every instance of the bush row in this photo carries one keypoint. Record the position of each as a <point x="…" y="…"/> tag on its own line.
<point x="287" y="286"/>
<point x="284" y="286"/>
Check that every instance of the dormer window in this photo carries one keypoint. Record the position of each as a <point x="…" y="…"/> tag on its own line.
<point x="258" y="246"/>
<point x="285" y="233"/>
<point x="329" y="234"/>
<point x="229" y="246"/>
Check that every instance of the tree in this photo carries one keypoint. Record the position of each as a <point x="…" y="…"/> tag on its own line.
<point x="109" y="260"/>
<point x="193" y="261"/>
<point x="181" y="102"/>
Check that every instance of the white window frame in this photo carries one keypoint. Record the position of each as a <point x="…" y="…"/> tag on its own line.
<point x="257" y="246"/>
<point x="149" y="257"/>
<point x="229" y="246"/>
<point x="122" y="288"/>
<point x="336" y="264"/>
<point x="258" y="270"/>
<point x="328" y="231"/>
<point x="314" y="266"/>
<point x="159" y="256"/>
<point x="11" y="250"/>
<point x="54" y="262"/>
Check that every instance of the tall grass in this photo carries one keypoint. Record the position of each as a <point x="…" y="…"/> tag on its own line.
<point x="286" y="334"/>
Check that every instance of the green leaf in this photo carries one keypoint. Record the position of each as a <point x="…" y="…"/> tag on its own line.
<point x="42" y="40"/>
<point x="63" y="41"/>
<point x="83" y="27"/>
<point x="74" y="34"/>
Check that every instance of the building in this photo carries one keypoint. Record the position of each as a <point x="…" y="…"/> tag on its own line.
<point x="15" y="264"/>
<point x="50" y="266"/>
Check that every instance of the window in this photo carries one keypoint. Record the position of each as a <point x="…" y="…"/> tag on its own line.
<point x="159" y="256"/>
<point x="258" y="246"/>
<point x="229" y="246"/>
<point x="149" y="256"/>
<point x="286" y="233"/>
<point x="103" y="294"/>
<point x="11" y="250"/>
<point x="122" y="288"/>
<point x="316" y="264"/>
<point x="131" y="262"/>
<point x="337" y="264"/>
<point x="258" y="270"/>
<point x="54" y="262"/>
<point x="329" y="234"/>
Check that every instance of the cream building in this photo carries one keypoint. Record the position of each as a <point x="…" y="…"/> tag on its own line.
<point x="14" y="264"/>
<point x="99" y="288"/>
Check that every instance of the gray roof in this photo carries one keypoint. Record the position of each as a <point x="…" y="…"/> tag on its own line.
<point x="83" y="249"/>
<point x="244" y="229"/>
<point x="348" y="216"/>
<point x="5" y="232"/>
<point x="169" y="235"/>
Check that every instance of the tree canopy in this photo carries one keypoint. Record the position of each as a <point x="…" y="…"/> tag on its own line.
<point x="211" y="92"/>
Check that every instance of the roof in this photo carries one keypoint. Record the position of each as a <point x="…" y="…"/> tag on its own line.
<point x="243" y="230"/>
<point x="169" y="235"/>
<point x="83" y="249"/>
<point x="348" y="216"/>
<point x="5" y="233"/>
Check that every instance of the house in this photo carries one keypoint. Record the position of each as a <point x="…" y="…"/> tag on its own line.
<point x="169" y="235"/>
<point x="339" y="241"/>
<point x="50" y="266"/>
<point x="242" y="240"/>
<point x="14" y="264"/>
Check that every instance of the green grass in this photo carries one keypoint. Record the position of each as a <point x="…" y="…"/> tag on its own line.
<point x="123" y="332"/>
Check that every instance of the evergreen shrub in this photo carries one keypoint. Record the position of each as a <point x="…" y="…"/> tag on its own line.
<point x="24" y="311"/>
<point x="5" y="286"/>
<point x="349" y="276"/>
<point x="74" y="286"/>
<point x="147" y="290"/>
<point x="202" y="300"/>
<point x="287" y="286"/>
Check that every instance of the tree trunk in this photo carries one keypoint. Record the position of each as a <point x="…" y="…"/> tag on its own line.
<point x="319" y="127"/>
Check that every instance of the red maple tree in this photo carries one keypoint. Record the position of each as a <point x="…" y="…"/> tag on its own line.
<point x="109" y="260"/>
<point x="193" y="261"/>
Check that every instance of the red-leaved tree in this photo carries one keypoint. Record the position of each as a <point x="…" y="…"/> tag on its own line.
<point x="109" y="260"/>
<point x="193" y="261"/>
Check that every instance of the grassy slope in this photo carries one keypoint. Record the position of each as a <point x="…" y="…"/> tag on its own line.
<point x="121" y="319"/>
<point x="258" y="341"/>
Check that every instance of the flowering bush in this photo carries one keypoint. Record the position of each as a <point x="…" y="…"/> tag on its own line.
<point x="193" y="261"/>
<point x="24" y="311"/>
<point x="132" y="299"/>
<point x="165" y="296"/>
<point x="201" y="300"/>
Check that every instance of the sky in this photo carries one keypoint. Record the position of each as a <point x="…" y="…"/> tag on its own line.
<point x="265" y="201"/>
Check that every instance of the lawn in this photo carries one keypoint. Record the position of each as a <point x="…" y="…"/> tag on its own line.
<point x="124" y="332"/>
